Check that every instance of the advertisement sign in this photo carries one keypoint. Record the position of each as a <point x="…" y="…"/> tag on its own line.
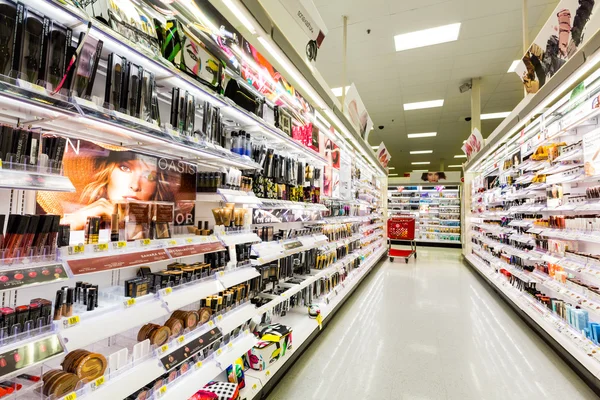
<point x="420" y="178"/>
<point x="383" y="155"/>
<point x="346" y="176"/>
<point x="474" y="144"/>
<point x="356" y="112"/>
<point x="105" y="175"/>
<point x="591" y="153"/>
<point x="567" y="30"/>
<point x="332" y="153"/>
<point x="300" y="10"/>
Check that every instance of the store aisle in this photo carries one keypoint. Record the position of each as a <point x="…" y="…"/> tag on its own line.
<point x="428" y="330"/>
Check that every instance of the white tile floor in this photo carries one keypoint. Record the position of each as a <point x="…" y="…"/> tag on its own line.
<point x="428" y="330"/>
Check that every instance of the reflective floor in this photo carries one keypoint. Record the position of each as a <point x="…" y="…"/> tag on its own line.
<point x="429" y="329"/>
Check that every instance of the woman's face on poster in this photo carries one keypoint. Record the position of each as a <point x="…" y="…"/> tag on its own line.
<point x="132" y="180"/>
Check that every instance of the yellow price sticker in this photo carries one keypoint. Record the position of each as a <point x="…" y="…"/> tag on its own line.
<point x="162" y="390"/>
<point x="211" y="324"/>
<point x="221" y="273"/>
<point x="199" y="364"/>
<point x="164" y="348"/>
<point x="99" y="382"/>
<point x="168" y="291"/>
<point x="320" y="321"/>
<point x="188" y="240"/>
<point x="254" y="387"/>
<point x="145" y="242"/>
<point x="172" y="242"/>
<point x="267" y="373"/>
<point x="247" y="332"/>
<point x="219" y="352"/>
<point x="181" y="339"/>
<point x="79" y="249"/>
<point x="101" y="247"/>
<point x="129" y="303"/>
<point x="230" y="345"/>
<point x="122" y="244"/>
<point x="70" y="396"/>
<point x="219" y="318"/>
<point x="71" y="321"/>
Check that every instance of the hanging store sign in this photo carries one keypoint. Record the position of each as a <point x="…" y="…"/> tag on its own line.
<point x="474" y="144"/>
<point x="356" y="112"/>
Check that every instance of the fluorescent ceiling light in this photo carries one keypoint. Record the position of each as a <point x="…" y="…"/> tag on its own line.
<point x="460" y="156"/>
<point x="420" y="135"/>
<point x="427" y="37"/>
<point x="374" y="147"/>
<point x="392" y="174"/>
<point x="495" y="115"/>
<point x="455" y="166"/>
<point x="392" y="168"/>
<point x="423" y="104"/>
<point x="240" y="15"/>
<point x="421" y="152"/>
<point x="513" y="66"/>
<point x="420" y="170"/>
<point x="337" y="92"/>
<point x="421" y="163"/>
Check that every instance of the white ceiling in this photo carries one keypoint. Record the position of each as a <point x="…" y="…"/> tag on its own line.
<point x="490" y="39"/>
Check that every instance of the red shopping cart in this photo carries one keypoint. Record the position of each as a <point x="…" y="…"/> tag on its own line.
<point x="402" y="228"/>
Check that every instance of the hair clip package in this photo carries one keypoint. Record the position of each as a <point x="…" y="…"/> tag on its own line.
<point x="54" y="54"/>
<point x="8" y="25"/>
<point x="115" y="76"/>
<point x="29" y="41"/>
<point x="87" y="65"/>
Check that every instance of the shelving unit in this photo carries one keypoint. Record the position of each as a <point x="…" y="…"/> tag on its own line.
<point x="531" y="212"/>
<point x="436" y="210"/>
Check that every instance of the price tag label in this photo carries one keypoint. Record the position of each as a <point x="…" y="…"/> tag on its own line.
<point x="172" y="242"/>
<point x="219" y="352"/>
<point x="230" y="345"/>
<point x="167" y="291"/>
<point x="199" y="364"/>
<point x="70" y="396"/>
<point x="320" y="321"/>
<point x="98" y="382"/>
<point x="268" y="373"/>
<point x="164" y="348"/>
<point x="254" y="387"/>
<point x="121" y="244"/>
<point x="247" y="332"/>
<point x="100" y="247"/>
<point x="211" y="324"/>
<point x="189" y="240"/>
<point x="181" y="339"/>
<point x="129" y="303"/>
<point x="72" y="321"/>
<point x="162" y="390"/>
<point x="145" y="242"/>
<point x="219" y="318"/>
<point x="79" y="249"/>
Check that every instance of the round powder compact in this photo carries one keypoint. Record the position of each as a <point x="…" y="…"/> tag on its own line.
<point x="60" y="384"/>
<point x="160" y="336"/>
<point x="91" y="366"/>
<point x="191" y="320"/>
<point x="205" y="313"/>
<point x="146" y="331"/>
<point x="175" y="325"/>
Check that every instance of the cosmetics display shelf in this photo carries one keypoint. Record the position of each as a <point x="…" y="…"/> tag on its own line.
<point x="91" y="258"/>
<point x="341" y="242"/>
<point x="164" y="71"/>
<point x="33" y="180"/>
<point x="306" y="328"/>
<point x="233" y="238"/>
<point x="81" y="331"/>
<point x="372" y="226"/>
<point x="292" y="205"/>
<point x="267" y="252"/>
<point x="230" y="196"/>
<point x="581" y="348"/>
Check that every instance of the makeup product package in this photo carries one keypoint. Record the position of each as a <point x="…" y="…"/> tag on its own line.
<point x="147" y="88"/>
<point x="54" y="55"/>
<point x="174" y="120"/>
<point x="29" y="41"/>
<point x="8" y="25"/>
<point x="87" y="65"/>
<point x="115" y="78"/>
<point x="135" y="89"/>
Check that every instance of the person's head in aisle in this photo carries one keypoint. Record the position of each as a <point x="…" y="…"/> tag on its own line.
<point x="433" y="177"/>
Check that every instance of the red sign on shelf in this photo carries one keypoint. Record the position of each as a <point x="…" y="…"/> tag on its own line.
<point x="117" y="261"/>
<point x="195" y="249"/>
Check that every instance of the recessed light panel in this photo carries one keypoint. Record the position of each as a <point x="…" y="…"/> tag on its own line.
<point x="460" y="156"/>
<point x="421" y="135"/>
<point x="421" y="152"/>
<point x="500" y="115"/>
<point x="427" y="37"/>
<point x="423" y="105"/>
<point x="421" y="163"/>
<point x="337" y="92"/>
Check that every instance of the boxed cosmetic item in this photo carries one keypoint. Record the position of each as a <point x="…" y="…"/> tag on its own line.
<point x="190" y="55"/>
<point x="276" y="339"/>
<point x="54" y="54"/>
<point x="87" y="65"/>
<point x="126" y="18"/>
<point x="29" y="42"/>
<point x="135" y="219"/>
<point x="162" y="220"/>
<point x="8" y="22"/>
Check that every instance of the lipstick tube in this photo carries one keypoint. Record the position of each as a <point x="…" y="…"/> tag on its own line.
<point x="58" y="305"/>
<point x="15" y="233"/>
<point x="30" y="234"/>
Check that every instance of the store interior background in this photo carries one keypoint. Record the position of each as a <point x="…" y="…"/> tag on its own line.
<point x="490" y="39"/>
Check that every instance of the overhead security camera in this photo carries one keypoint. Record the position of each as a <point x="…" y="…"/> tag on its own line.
<point x="381" y="126"/>
<point x="465" y="87"/>
<point x="468" y="119"/>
